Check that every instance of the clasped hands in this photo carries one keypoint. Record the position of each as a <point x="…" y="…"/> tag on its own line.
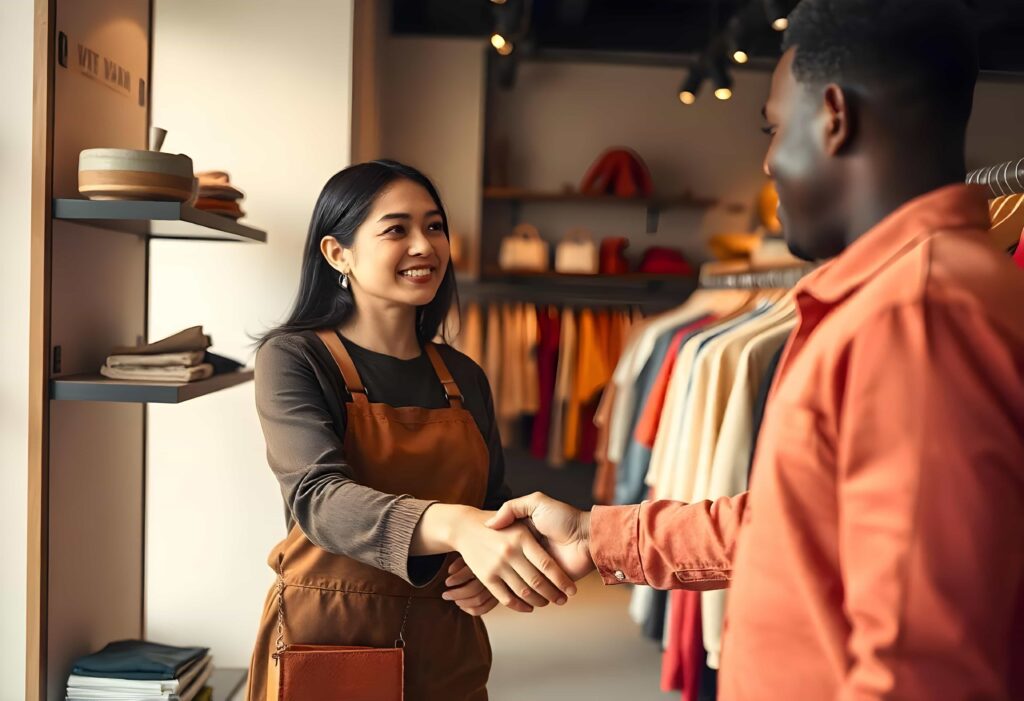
<point x="544" y="550"/>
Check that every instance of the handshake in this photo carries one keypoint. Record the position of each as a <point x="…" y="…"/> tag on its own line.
<point x="527" y="554"/>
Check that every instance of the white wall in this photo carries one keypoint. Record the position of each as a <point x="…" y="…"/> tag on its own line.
<point x="432" y="117"/>
<point x="16" y="32"/>
<point x="262" y="90"/>
<point x="560" y="116"/>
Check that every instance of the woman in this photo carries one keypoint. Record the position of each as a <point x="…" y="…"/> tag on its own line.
<point x="386" y="447"/>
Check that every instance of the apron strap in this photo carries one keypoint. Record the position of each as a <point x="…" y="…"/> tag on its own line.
<point x="451" y="390"/>
<point x="349" y="374"/>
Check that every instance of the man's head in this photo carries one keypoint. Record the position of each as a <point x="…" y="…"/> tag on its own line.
<point x="867" y="92"/>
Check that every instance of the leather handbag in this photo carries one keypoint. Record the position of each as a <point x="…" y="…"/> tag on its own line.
<point x="524" y="250"/>
<point x="577" y="253"/>
<point x="322" y="672"/>
<point x="613" y="256"/>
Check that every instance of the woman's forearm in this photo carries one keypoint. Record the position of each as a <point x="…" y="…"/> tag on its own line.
<point x="438" y="528"/>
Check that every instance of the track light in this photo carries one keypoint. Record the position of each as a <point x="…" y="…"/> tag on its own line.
<point x="777" y="15"/>
<point x="691" y="86"/>
<point x="720" y="78"/>
<point x="738" y="40"/>
<point x="498" y="42"/>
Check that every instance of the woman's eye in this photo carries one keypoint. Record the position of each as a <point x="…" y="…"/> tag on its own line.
<point x="769" y="130"/>
<point x="436" y="226"/>
<point x="396" y="230"/>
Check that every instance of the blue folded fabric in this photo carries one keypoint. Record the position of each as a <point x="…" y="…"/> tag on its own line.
<point x="138" y="659"/>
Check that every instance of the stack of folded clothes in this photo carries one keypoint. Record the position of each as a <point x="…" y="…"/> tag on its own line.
<point x="136" y="670"/>
<point x="218" y="196"/>
<point x="182" y="357"/>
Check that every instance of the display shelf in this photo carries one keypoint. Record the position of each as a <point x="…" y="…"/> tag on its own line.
<point x="518" y="195"/>
<point x="96" y="388"/>
<point x="651" y="292"/>
<point x="225" y="683"/>
<point x="157" y="220"/>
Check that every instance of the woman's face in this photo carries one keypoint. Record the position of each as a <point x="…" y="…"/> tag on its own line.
<point x="400" y="253"/>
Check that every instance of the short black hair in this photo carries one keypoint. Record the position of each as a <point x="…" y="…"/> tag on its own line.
<point x="924" y="49"/>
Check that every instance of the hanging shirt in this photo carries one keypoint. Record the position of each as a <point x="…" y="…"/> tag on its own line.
<point x="880" y="550"/>
<point x="563" y="387"/>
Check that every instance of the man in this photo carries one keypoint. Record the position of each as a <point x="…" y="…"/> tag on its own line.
<point x="879" y="553"/>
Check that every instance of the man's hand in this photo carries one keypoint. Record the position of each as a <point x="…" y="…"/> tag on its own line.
<point x="565" y="530"/>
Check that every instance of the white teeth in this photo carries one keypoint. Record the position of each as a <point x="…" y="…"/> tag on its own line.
<point x="418" y="272"/>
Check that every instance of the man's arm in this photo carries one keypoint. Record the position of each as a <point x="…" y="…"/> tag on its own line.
<point x="665" y="544"/>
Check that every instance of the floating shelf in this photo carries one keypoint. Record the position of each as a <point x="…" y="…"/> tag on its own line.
<point x="157" y="220"/>
<point x="651" y="292"/>
<point x="511" y="194"/>
<point x="225" y="683"/>
<point x="96" y="388"/>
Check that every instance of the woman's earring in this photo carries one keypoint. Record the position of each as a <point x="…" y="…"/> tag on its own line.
<point x="343" y="281"/>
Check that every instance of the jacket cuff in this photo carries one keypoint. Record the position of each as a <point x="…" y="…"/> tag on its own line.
<point x="614" y="544"/>
<point x="398" y="525"/>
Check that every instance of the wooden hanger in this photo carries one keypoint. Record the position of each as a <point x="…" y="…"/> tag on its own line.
<point x="1007" y="221"/>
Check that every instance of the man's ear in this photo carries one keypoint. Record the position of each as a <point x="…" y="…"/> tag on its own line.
<point x="839" y="120"/>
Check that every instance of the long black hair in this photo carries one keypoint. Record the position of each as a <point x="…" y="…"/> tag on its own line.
<point x="340" y="210"/>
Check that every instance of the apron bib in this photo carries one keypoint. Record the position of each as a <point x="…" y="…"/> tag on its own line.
<point x="433" y="454"/>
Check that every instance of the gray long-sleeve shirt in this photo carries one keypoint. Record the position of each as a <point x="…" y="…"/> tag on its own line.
<point x="300" y="398"/>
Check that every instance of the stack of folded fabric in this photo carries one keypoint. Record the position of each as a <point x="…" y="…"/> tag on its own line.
<point x="218" y="196"/>
<point x="179" y="358"/>
<point x="136" y="670"/>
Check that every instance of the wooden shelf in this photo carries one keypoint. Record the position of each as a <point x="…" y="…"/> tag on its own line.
<point x="517" y="195"/>
<point x="226" y="683"/>
<point x="157" y="220"/>
<point x="652" y="292"/>
<point x="96" y="388"/>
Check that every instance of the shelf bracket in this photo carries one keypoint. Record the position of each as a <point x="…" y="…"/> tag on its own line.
<point x="653" y="215"/>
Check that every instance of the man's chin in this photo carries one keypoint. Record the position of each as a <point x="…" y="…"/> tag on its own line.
<point x="795" y="247"/>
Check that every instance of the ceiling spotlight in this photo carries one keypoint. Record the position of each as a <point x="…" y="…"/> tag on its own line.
<point x="498" y="42"/>
<point x="720" y="78"/>
<point x="498" y="2"/>
<point x="738" y="39"/>
<point x="691" y="86"/>
<point x="777" y="15"/>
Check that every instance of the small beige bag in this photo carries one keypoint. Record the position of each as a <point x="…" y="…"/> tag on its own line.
<point x="577" y="253"/>
<point x="524" y="250"/>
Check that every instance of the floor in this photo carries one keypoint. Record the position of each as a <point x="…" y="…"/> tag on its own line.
<point x="587" y="650"/>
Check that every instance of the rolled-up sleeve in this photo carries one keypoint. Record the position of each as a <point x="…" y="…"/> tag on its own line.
<point x="307" y="456"/>
<point x="931" y="505"/>
<point x="667" y="544"/>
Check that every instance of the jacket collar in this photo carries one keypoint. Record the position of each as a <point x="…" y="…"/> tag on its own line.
<point x="950" y="207"/>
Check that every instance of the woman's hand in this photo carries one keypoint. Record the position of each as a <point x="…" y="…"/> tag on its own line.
<point x="510" y="563"/>
<point x="513" y="567"/>
<point x="469" y="593"/>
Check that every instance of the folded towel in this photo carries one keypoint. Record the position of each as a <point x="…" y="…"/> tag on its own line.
<point x="221" y="364"/>
<point x="138" y="659"/>
<point x="159" y="374"/>
<point x="224" y="208"/>
<point x="184" y="359"/>
<point x="192" y="339"/>
<point x="221" y="192"/>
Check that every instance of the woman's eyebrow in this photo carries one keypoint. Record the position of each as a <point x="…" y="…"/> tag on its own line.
<point x="403" y="215"/>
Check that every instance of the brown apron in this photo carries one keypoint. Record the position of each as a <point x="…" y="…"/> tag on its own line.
<point x="436" y="454"/>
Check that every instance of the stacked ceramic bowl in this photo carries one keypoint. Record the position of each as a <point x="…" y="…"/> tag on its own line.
<point x="126" y="174"/>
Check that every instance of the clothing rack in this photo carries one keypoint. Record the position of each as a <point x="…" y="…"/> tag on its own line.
<point x="1003" y="179"/>
<point x="713" y="277"/>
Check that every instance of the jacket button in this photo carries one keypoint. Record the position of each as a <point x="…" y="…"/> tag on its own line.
<point x="620" y="575"/>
